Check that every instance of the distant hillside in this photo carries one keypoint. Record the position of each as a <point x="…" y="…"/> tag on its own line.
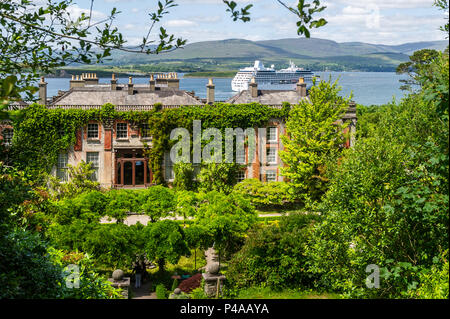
<point x="316" y="54"/>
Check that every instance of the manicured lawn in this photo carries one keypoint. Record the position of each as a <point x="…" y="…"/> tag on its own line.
<point x="267" y="293"/>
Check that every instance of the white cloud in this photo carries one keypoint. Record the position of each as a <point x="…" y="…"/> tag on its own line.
<point x="180" y="23"/>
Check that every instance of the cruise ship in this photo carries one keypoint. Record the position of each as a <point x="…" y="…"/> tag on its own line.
<point x="269" y="78"/>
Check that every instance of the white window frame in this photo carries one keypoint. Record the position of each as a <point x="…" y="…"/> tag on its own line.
<point x="275" y="137"/>
<point x="269" y="157"/>
<point x="95" y="164"/>
<point x="274" y="172"/>
<point x="169" y="173"/>
<point x="121" y="131"/>
<point x="92" y="131"/>
<point x="62" y="167"/>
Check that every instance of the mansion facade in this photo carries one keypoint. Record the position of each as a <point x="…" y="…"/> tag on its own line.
<point x="116" y="147"/>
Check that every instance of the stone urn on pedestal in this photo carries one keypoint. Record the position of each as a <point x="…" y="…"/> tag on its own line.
<point x="119" y="281"/>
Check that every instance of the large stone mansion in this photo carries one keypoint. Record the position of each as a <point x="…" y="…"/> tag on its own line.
<point x="115" y="148"/>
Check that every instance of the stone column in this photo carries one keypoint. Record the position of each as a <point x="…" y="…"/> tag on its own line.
<point x="43" y="91"/>
<point x="253" y="87"/>
<point x="210" y="91"/>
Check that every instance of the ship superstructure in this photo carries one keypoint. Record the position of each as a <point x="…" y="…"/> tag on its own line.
<point x="269" y="78"/>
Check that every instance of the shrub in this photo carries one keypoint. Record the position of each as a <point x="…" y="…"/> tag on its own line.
<point x="434" y="282"/>
<point x="264" y="195"/>
<point x="198" y="293"/>
<point x="184" y="177"/>
<point x="274" y="255"/>
<point x="191" y="283"/>
<point x="218" y="177"/>
<point x="161" y="292"/>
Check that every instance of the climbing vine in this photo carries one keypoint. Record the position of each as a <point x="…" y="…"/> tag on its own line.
<point x="40" y="134"/>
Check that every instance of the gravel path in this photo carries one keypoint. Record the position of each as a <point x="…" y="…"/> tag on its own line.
<point x="144" y="219"/>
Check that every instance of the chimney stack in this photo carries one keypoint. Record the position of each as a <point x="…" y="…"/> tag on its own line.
<point x="173" y="81"/>
<point x="43" y="91"/>
<point x="90" y="78"/>
<point x="301" y="87"/>
<point x="210" y="91"/>
<point x="130" y="86"/>
<point x="161" y="79"/>
<point x="76" y="81"/>
<point x="113" y="82"/>
<point x="152" y="82"/>
<point x="253" y="87"/>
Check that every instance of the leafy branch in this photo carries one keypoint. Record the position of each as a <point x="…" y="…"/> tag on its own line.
<point x="236" y="14"/>
<point x="305" y="11"/>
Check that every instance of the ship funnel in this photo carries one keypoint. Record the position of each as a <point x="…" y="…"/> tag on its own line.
<point x="258" y="65"/>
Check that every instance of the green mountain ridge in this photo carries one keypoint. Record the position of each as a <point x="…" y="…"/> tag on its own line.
<point x="315" y="54"/>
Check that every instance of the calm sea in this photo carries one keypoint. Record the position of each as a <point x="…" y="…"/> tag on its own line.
<point x="368" y="87"/>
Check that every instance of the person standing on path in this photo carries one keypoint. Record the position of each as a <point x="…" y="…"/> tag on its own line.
<point x="138" y="275"/>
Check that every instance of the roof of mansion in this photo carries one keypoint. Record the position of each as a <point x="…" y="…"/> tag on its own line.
<point x="99" y="94"/>
<point x="270" y="97"/>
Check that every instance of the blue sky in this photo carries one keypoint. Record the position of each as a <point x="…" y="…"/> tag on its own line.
<point x="372" y="21"/>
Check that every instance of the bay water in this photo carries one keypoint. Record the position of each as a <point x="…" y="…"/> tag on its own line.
<point x="368" y="88"/>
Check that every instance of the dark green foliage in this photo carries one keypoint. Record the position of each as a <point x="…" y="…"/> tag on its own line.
<point x="26" y="271"/>
<point x="114" y="245"/>
<point x="165" y="241"/>
<point x="184" y="177"/>
<point x="274" y="256"/>
<point x="417" y="64"/>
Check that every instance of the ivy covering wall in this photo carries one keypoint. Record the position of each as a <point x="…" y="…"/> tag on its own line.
<point x="40" y="134"/>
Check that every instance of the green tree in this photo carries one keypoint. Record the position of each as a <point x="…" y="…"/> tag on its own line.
<point x="226" y="218"/>
<point x="187" y="204"/>
<point x="121" y="202"/>
<point x="387" y="202"/>
<point x="219" y="177"/>
<point x="197" y="237"/>
<point x="418" y="64"/>
<point x="158" y="202"/>
<point x="165" y="241"/>
<point x="114" y="245"/>
<point x="313" y="137"/>
<point x="89" y="206"/>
